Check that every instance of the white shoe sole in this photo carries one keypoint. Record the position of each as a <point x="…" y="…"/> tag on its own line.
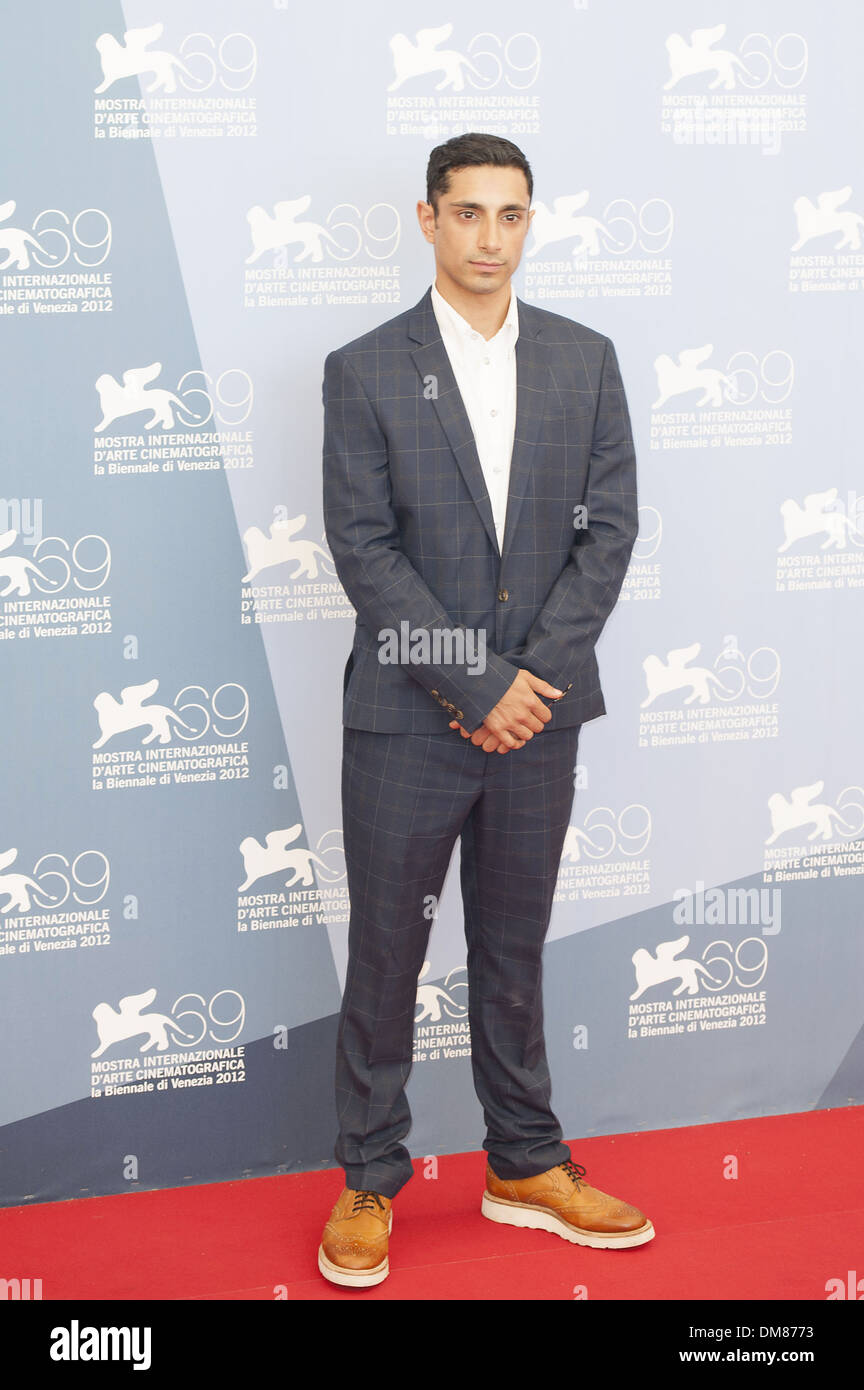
<point x="533" y="1218"/>
<point x="354" y="1278"/>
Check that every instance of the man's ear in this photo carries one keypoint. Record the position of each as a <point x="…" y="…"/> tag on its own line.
<point x="423" y="211"/>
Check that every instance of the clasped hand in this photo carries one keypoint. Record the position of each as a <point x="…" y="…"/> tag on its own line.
<point x="518" y="715"/>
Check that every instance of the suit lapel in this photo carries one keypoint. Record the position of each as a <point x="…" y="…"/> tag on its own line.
<point x="434" y="364"/>
<point x="532" y="379"/>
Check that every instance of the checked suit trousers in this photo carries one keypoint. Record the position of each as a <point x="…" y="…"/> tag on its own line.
<point x="405" y="800"/>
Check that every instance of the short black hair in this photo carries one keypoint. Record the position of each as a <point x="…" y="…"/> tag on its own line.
<point x="471" y="149"/>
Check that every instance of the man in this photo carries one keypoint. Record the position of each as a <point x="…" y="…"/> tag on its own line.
<point x="480" y="506"/>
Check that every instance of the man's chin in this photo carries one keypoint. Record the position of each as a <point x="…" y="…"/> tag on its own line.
<point x="485" y="281"/>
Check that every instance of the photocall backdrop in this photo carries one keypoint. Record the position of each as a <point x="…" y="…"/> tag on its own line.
<point x="200" y="201"/>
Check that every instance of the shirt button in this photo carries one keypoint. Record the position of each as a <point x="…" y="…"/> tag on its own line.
<point x="493" y="412"/>
<point x="486" y="361"/>
<point x="496" y="470"/>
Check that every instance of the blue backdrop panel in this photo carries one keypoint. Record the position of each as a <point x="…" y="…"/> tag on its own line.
<point x="198" y="204"/>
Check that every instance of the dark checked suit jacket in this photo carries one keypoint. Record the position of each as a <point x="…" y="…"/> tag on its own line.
<point x="409" y="522"/>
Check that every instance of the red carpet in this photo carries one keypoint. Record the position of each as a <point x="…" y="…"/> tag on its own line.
<point x="792" y="1220"/>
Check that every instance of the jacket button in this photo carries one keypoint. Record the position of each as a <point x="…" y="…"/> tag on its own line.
<point x="460" y="714"/>
<point x="434" y="692"/>
<point x="503" y="595"/>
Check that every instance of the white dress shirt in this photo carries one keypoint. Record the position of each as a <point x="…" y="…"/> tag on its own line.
<point x="485" y="373"/>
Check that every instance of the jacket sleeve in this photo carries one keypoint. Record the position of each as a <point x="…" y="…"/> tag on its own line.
<point x="363" y="535"/>
<point x="567" y="627"/>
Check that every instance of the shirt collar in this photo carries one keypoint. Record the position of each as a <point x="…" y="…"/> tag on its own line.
<point x="446" y="314"/>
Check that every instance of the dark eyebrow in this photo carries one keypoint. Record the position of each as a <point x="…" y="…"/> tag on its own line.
<point x="507" y="207"/>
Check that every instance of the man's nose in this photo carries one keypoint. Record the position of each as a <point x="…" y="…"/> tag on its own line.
<point x="489" y="237"/>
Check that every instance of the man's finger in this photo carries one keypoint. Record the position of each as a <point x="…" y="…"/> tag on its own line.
<point x="484" y="736"/>
<point x="543" y="687"/>
<point x="505" y="736"/>
<point x="541" y="711"/>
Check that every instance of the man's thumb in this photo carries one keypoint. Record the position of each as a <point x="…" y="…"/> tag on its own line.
<point x="537" y="683"/>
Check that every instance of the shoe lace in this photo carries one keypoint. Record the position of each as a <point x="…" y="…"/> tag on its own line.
<point x="574" y="1171"/>
<point x="367" y="1199"/>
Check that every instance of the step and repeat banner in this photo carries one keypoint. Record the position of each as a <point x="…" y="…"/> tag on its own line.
<point x="200" y="199"/>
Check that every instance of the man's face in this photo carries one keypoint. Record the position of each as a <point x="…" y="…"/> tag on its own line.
<point x="483" y="220"/>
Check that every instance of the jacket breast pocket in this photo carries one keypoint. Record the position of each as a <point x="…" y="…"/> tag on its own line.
<point x="577" y="415"/>
<point x="572" y="425"/>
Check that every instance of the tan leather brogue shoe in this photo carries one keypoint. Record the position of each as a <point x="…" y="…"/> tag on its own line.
<point x="353" y="1248"/>
<point x="560" y="1201"/>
